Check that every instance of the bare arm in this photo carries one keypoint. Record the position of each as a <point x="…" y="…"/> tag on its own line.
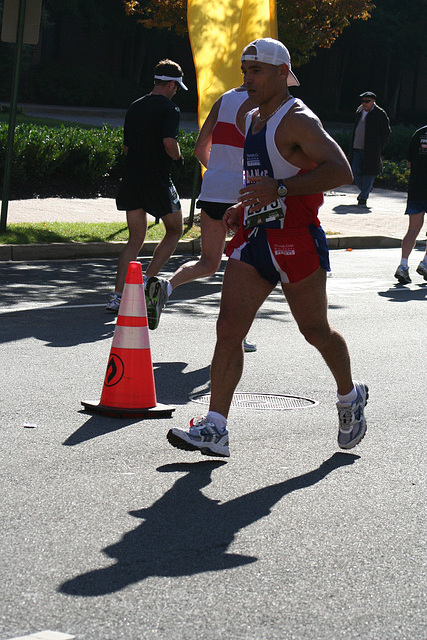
<point x="303" y="142"/>
<point x="203" y="146"/>
<point x="172" y="148"/>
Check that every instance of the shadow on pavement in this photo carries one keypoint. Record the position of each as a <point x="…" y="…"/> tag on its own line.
<point x="350" y="208"/>
<point x="402" y="293"/>
<point x="184" y="384"/>
<point x="185" y="533"/>
<point x="97" y="425"/>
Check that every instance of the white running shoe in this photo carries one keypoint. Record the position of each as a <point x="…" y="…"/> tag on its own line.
<point x="203" y="436"/>
<point x="402" y="275"/>
<point x="352" y="418"/>
<point x="422" y="270"/>
<point x="114" y="303"/>
<point x="156" y="296"/>
<point x="249" y="347"/>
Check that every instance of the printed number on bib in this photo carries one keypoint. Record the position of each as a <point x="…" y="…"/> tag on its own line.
<point x="269" y="213"/>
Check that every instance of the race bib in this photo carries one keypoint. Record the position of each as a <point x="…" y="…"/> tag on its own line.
<point x="269" y="213"/>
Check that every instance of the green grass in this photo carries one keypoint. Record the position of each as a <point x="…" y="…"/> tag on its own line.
<point x="48" y="232"/>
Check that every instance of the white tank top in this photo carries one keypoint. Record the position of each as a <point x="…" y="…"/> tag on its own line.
<point x="263" y="158"/>
<point x="224" y="175"/>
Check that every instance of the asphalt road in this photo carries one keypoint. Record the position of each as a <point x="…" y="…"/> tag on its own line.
<point x="108" y="533"/>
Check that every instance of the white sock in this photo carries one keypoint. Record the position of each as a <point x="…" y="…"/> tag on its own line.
<point x="349" y="397"/>
<point x="169" y="289"/>
<point x="404" y="263"/>
<point x="218" y="420"/>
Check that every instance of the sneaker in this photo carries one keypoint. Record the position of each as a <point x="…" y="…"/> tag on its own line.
<point x="402" y="275"/>
<point x="352" y="419"/>
<point x="202" y="436"/>
<point x="422" y="270"/>
<point x="249" y="347"/>
<point x="155" y="297"/>
<point x="114" y="303"/>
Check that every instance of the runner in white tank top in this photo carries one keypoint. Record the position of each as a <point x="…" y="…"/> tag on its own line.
<point x="224" y="175"/>
<point x="219" y="147"/>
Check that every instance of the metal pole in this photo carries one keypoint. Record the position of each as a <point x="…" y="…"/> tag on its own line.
<point x="196" y="181"/>
<point x="12" y="116"/>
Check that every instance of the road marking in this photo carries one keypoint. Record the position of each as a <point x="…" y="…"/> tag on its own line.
<point x="50" y="306"/>
<point x="350" y="286"/>
<point x="46" y="635"/>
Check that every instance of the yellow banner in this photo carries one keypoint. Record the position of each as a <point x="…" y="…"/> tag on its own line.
<point x="219" y="30"/>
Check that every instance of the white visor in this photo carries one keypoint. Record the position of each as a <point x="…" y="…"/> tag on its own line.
<point x="169" y="78"/>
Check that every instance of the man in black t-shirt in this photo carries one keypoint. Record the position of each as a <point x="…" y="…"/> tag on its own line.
<point x="416" y="204"/>
<point x="150" y="145"/>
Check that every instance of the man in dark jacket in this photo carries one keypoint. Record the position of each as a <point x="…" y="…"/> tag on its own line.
<point x="370" y="134"/>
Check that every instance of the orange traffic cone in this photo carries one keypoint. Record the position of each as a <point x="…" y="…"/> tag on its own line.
<point x="129" y="388"/>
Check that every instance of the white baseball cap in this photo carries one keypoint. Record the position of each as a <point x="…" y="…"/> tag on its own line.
<point x="272" y="52"/>
<point x="169" y="78"/>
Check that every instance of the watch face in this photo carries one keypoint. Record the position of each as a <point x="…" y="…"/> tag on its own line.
<point x="282" y="190"/>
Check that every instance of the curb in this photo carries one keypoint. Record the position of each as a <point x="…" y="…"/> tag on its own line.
<point x="363" y="242"/>
<point x="91" y="250"/>
<point x="81" y="250"/>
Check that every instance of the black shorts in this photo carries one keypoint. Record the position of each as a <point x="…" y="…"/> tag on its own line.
<point x="214" y="210"/>
<point x="158" y="200"/>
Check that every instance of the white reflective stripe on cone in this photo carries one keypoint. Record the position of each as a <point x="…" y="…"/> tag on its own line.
<point x="131" y="338"/>
<point x="132" y="297"/>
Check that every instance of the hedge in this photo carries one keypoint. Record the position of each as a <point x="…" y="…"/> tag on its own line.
<point x="76" y="161"/>
<point x="82" y="162"/>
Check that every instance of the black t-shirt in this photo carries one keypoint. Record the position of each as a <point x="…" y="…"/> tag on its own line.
<point x="148" y="120"/>
<point x="417" y="186"/>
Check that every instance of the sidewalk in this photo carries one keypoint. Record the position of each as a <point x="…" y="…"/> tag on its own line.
<point x="382" y="224"/>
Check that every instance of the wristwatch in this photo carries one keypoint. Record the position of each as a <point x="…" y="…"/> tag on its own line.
<point x="281" y="189"/>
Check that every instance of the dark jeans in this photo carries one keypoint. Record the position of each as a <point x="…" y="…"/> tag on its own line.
<point x="364" y="182"/>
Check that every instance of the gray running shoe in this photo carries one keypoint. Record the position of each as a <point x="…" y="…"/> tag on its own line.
<point x="202" y="436"/>
<point x="402" y="275"/>
<point x="422" y="270"/>
<point x="249" y="347"/>
<point x="114" y="303"/>
<point x="352" y="419"/>
<point x="155" y="298"/>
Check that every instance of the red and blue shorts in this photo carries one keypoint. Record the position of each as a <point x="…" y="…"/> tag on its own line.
<point x="282" y="255"/>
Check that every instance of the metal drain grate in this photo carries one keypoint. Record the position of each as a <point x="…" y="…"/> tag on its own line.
<point x="261" y="401"/>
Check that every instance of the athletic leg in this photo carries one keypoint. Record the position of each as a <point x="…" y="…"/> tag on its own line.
<point x="243" y="292"/>
<point x="174" y="229"/>
<point x="212" y="241"/>
<point x="416" y="221"/>
<point x="137" y="225"/>
<point x="308" y="303"/>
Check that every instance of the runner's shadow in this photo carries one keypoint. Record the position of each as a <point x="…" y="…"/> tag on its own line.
<point x="401" y="293"/>
<point x="342" y="209"/>
<point x="184" y="382"/>
<point x="185" y="533"/>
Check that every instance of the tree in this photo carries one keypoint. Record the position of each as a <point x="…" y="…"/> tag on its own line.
<point x="395" y="36"/>
<point x="303" y="25"/>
